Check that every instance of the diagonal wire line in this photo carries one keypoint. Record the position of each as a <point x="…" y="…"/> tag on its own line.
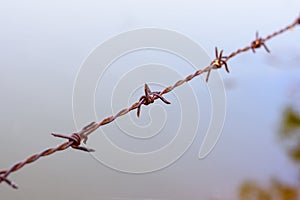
<point x="76" y="139"/>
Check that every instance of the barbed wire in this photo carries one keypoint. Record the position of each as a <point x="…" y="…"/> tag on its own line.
<point x="77" y="138"/>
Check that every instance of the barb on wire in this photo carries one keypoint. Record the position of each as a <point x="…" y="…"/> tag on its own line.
<point x="74" y="142"/>
<point x="75" y="139"/>
<point x="9" y="182"/>
<point x="257" y="43"/>
<point x="149" y="98"/>
<point x="218" y="62"/>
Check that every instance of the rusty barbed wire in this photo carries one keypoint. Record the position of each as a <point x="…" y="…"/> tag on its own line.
<point x="149" y="98"/>
<point x="75" y="139"/>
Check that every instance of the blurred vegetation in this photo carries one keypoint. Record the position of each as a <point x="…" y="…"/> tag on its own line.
<point x="290" y="122"/>
<point x="277" y="190"/>
<point x="290" y="132"/>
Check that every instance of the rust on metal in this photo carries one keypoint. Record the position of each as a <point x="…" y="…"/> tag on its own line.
<point x="75" y="139"/>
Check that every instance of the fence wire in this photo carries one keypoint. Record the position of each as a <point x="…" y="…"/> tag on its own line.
<point x="75" y="139"/>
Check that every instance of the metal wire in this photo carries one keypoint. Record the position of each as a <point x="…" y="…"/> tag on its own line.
<point x="75" y="139"/>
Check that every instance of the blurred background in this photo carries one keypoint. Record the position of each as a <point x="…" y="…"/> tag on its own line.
<point x="43" y="44"/>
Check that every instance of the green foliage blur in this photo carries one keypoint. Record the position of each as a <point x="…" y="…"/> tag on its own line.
<point x="290" y="132"/>
<point x="289" y="135"/>
<point x="277" y="190"/>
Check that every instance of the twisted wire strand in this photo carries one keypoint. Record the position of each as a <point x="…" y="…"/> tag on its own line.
<point x="82" y="135"/>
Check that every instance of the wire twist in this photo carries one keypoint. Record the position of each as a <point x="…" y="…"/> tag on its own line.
<point x="76" y="139"/>
<point x="149" y="98"/>
<point x="257" y="43"/>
